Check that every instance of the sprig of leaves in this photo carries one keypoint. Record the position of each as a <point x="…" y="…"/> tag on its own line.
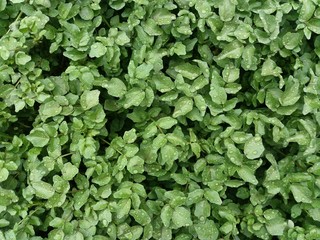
<point x="135" y="119"/>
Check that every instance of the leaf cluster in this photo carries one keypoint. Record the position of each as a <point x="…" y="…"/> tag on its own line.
<point x="159" y="119"/>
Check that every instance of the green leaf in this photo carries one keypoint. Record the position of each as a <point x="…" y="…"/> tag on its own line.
<point x="4" y="174"/>
<point x="130" y="136"/>
<point x="69" y="171"/>
<point x="116" y="87"/>
<point x="204" y="9"/>
<point x="232" y="50"/>
<point x="179" y="49"/>
<point x="80" y="198"/>
<point x="97" y="50"/>
<point x="270" y="68"/>
<point x="234" y="154"/>
<point x="207" y="230"/>
<point x="134" y="97"/>
<point x="182" y="107"/>
<point x="306" y="11"/>
<point x="22" y="58"/>
<point x="168" y="153"/>
<point x="135" y="165"/>
<point x="291" y="40"/>
<point x="4" y="52"/>
<point x="212" y="196"/>
<point x="188" y="70"/>
<point x="199" y="83"/>
<point x="291" y="94"/>
<point x="218" y="94"/>
<point x="140" y="216"/>
<point x="247" y="174"/>
<point x="202" y="210"/>
<point x="166" y="122"/>
<point x="314" y="25"/>
<point x="276" y="226"/>
<point x="181" y="217"/>
<point x="163" y="83"/>
<point x="162" y="16"/>
<point x="269" y="22"/>
<point x="166" y="215"/>
<point x="122" y="39"/>
<point x="123" y="208"/>
<point x="89" y="99"/>
<point x="143" y="70"/>
<point x="301" y="193"/>
<point x="43" y="189"/>
<point x="3" y="4"/>
<point x="249" y="60"/>
<point x="50" y="109"/>
<point x="253" y="148"/>
<point x="38" y="137"/>
<point x="230" y="73"/>
<point x="227" y="10"/>
<point x="86" y="13"/>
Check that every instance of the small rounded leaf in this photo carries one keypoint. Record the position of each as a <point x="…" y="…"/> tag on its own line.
<point x="97" y="50"/>
<point x="253" y="148"/>
<point x="42" y="189"/>
<point x="69" y="171"/>
<point x="207" y="230"/>
<point x="38" y="137"/>
<point x="22" y="58"/>
<point x="89" y="99"/>
<point x="181" y="217"/>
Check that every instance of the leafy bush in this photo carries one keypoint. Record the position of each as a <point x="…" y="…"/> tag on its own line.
<point x="163" y="119"/>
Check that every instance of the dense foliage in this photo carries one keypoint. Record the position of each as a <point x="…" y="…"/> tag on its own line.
<point x="159" y="119"/>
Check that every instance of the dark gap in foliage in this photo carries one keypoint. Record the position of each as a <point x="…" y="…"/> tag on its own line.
<point x="118" y="124"/>
<point x="24" y="124"/>
<point x="82" y="168"/>
<point x="124" y="61"/>
<point x="291" y="150"/>
<point x="166" y="61"/>
<point x="58" y="62"/>
<point x="125" y="12"/>
<point x="286" y="65"/>
<point x="231" y="193"/>
<point x="260" y="172"/>
<point x="151" y="182"/>
<point x="43" y="233"/>
<point x="245" y="78"/>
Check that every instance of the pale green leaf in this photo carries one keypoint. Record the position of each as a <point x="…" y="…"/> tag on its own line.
<point x="181" y="217"/>
<point x="89" y="99"/>
<point x="166" y="215"/>
<point x="140" y="216"/>
<point x="301" y="193"/>
<point x="182" y="107"/>
<point x="43" y="189"/>
<point x="188" y="70"/>
<point x="253" y="148"/>
<point x="97" y="50"/>
<point x="212" y="196"/>
<point x="232" y="50"/>
<point x="166" y="122"/>
<point x="134" y="97"/>
<point x="50" y="109"/>
<point x="22" y="58"/>
<point x="207" y="230"/>
<point x="247" y="174"/>
<point x="4" y="174"/>
<point x="69" y="171"/>
<point x="38" y="137"/>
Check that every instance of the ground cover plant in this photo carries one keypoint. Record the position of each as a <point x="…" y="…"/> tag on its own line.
<point x="159" y="119"/>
